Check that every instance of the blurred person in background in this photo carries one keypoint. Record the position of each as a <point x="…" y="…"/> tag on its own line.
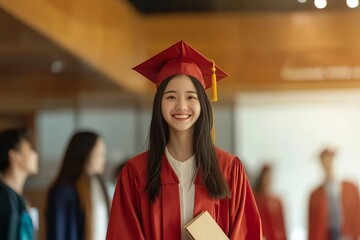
<point x="334" y="209"/>
<point x="270" y="207"/>
<point x="77" y="203"/>
<point x="18" y="160"/>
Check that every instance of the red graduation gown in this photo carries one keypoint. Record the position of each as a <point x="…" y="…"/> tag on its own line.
<point x="319" y="217"/>
<point x="133" y="217"/>
<point x="272" y="217"/>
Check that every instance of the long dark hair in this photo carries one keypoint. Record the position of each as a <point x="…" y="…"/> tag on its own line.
<point x="206" y="160"/>
<point x="76" y="156"/>
<point x="75" y="159"/>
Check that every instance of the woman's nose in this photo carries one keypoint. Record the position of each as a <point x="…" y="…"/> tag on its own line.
<point x="181" y="105"/>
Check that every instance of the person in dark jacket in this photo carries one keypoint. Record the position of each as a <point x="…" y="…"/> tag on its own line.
<point x="18" y="160"/>
<point x="77" y="201"/>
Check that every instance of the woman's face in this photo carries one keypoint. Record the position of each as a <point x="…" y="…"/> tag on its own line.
<point x="96" y="163"/>
<point x="180" y="105"/>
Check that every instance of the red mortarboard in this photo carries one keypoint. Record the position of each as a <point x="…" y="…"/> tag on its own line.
<point x="179" y="59"/>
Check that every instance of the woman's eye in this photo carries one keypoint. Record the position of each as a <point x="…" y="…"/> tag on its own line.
<point x="170" y="97"/>
<point x="192" y="97"/>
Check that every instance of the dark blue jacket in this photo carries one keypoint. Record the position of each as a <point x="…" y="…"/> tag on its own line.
<point x="64" y="215"/>
<point x="15" y="222"/>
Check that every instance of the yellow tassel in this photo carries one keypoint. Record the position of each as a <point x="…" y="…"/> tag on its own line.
<point x="213" y="98"/>
<point x="213" y="83"/>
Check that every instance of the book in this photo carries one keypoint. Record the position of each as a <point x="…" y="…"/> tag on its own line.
<point x="204" y="227"/>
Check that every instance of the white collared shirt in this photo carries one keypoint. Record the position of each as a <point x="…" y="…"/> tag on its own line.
<point x="185" y="172"/>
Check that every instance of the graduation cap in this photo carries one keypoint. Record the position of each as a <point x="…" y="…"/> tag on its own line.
<point x="182" y="59"/>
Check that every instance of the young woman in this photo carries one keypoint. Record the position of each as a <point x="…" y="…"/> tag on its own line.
<point x="78" y="204"/>
<point x="182" y="174"/>
<point x="18" y="160"/>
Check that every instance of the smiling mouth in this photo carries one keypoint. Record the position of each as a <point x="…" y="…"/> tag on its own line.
<point x="181" y="116"/>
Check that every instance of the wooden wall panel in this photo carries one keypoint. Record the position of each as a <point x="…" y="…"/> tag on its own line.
<point x="257" y="48"/>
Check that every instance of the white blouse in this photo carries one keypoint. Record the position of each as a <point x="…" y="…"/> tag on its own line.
<point x="185" y="172"/>
<point x="99" y="208"/>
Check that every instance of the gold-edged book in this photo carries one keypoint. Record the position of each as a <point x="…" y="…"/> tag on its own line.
<point x="204" y="227"/>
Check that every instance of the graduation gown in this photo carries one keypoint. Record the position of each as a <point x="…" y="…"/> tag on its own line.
<point x="272" y="217"/>
<point x="132" y="216"/>
<point x="319" y="213"/>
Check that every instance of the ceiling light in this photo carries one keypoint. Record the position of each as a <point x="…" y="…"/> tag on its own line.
<point x="57" y="66"/>
<point x="320" y="4"/>
<point x="352" y="3"/>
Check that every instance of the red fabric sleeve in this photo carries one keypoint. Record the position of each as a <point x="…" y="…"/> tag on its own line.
<point x="245" y="223"/>
<point x="124" y="220"/>
<point x="316" y="222"/>
<point x="281" y="218"/>
<point x="356" y="218"/>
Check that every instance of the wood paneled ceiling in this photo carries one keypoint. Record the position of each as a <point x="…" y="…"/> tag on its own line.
<point x="112" y="37"/>
<point x="165" y="6"/>
<point x="35" y="72"/>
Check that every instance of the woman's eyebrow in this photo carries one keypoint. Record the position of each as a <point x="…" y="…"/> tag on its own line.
<point x="173" y="91"/>
<point x="170" y="91"/>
